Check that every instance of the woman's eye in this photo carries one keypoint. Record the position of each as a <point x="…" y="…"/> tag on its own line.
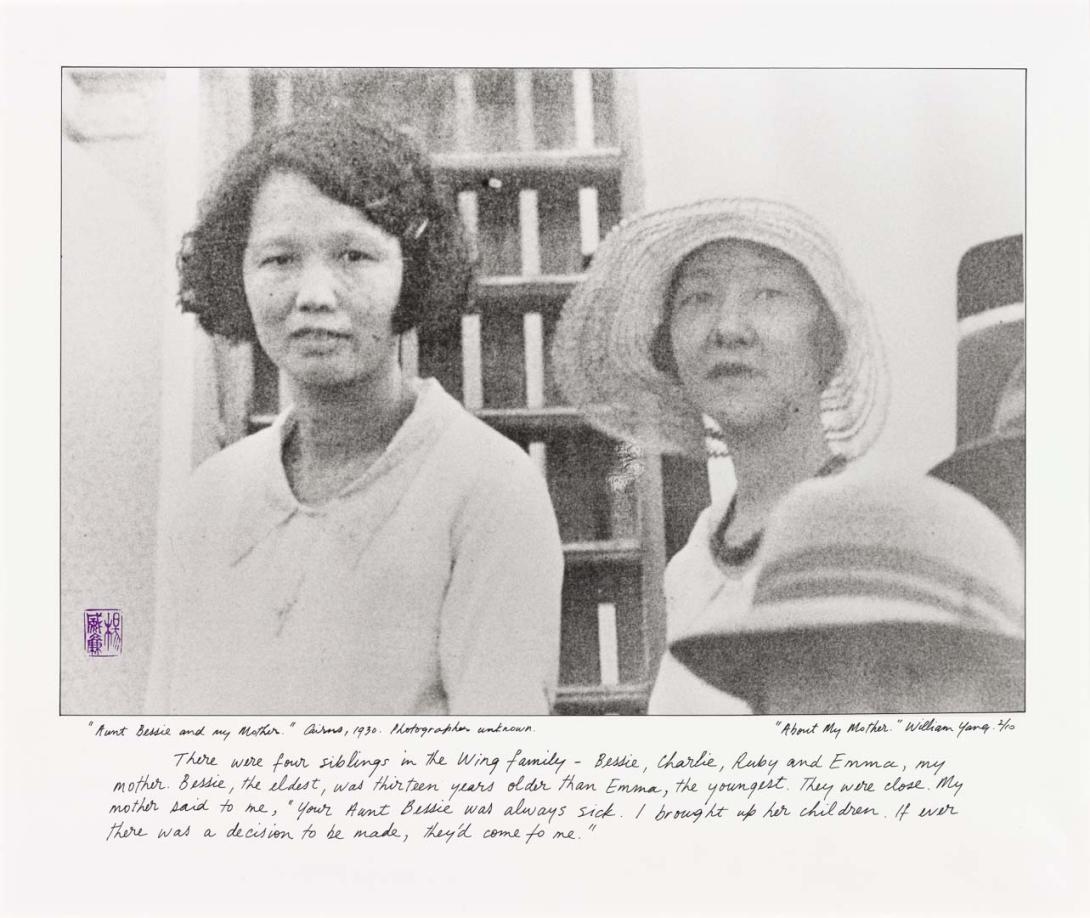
<point x="698" y="299"/>
<point x="767" y="294"/>
<point x="352" y="256"/>
<point x="278" y="261"/>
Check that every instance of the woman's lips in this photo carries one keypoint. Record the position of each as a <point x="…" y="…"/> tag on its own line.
<point x="318" y="340"/>
<point x="731" y="370"/>
<point x="318" y="334"/>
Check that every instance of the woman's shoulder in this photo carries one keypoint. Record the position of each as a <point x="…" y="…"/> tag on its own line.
<point x="243" y="457"/>
<point x="209" y="504"/>
<point x="222" y="480"/>
<point x="698" y="589"/>
<point x="486" y="479"/>
<point x="480" y="452"/>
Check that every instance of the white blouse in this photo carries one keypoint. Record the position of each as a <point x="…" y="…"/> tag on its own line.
<point x="701" y="596"/>
<point x="431" y="585"/>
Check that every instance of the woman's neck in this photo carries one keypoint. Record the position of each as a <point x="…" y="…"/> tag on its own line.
<point x="769" y="462"/>
<point x="336" y="423"/>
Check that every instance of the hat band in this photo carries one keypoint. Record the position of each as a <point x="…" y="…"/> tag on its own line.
<point x="878" y="573"/>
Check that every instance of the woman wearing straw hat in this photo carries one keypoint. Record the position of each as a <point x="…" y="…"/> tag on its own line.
<point x="732" y="316"/>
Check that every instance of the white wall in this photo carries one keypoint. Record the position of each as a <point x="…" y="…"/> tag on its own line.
<point x="111" y="333"/>
<point x="907" y="169"/>
<point x="138" y="387"/>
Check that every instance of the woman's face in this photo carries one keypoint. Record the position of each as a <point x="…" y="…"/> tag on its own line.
<point x="744" y="329"/>
<point x="322" y="282"/>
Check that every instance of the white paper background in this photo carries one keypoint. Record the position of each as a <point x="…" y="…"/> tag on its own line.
<point x="1026" y="847"/>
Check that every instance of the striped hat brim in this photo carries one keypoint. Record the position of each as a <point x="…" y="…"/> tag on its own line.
<point x="743" y="662"/>
<point x="862" y="576"/>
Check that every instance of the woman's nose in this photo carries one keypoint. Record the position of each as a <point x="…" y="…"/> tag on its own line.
<point x="317" y="289"/>
<point x="731" y="324"/>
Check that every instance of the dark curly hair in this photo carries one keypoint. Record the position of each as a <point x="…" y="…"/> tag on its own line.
<point x="369" y="165"/>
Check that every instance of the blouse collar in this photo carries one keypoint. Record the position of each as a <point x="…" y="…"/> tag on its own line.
<point x="268" y="501"/>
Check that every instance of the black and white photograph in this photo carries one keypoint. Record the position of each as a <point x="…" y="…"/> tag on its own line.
<point x="546" y="457"/>
<point x="545" y="391"/>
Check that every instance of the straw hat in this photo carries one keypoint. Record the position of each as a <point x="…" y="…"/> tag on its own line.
<point x="602" y="350"/>
<point x="855" y="565"/>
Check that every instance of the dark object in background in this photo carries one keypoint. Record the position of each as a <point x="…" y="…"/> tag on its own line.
<point x="991" y="275"/>
<point x="685" y="494"/>
<point x="990" y="460"/>
<point x="987" y="358"/>
<point x="993" y="471"/>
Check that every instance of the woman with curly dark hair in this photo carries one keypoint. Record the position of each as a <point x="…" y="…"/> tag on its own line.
<point x="377" y="550"/>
